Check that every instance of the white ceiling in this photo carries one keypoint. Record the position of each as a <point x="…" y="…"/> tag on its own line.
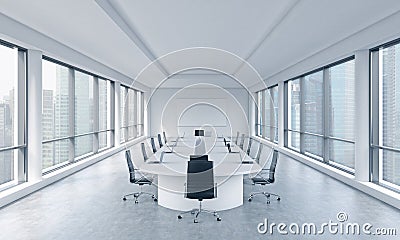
<point x="127" y="35"/>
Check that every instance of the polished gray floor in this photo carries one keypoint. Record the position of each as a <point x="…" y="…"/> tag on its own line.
<point x="88" y="205"/>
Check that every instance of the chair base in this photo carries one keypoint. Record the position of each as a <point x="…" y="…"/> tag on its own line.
<point x="197" y="211"/>
<point x="266" y="194"/>
<point x="136" y="196"/>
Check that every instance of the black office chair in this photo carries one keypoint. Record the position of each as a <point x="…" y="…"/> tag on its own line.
<point x="237" y="138"/>
<point x="200" y="185"/>
<point x="153" y="145"/>
<point x="241" y="143"/>
<point x="165" y="138"/>
<point x="144" y="153"/>
<point x="260" y="180"/>
<point x="139" y="181"/>
<point x="160" y="141"/>
<point x="257" y="156"/>
<point x="226" y="141"/>
<point x="249" y="146"/>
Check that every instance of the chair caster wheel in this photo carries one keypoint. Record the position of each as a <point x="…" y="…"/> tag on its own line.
<point x="124" y="198"/>
<point x="136" y="201"/>
<point x="179" y="217"/>
<point x="249" y="199"/>
<point x="278" y="199"/>
<point x="219" y="219"/>
<point x="195" y="221"/>
<point x="155" y="199"/>
<point x="268" y="202"/>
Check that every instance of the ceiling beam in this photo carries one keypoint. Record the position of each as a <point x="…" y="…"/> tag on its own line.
<point x="110" y="10"/>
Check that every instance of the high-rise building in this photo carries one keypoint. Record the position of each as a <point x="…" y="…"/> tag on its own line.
<point x="48" y="151"/>
<point x="391" y="114"/>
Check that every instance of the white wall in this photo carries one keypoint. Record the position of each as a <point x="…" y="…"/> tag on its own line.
<point x="168" y="104"/>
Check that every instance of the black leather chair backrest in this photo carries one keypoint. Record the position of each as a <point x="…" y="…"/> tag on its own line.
<point x="200" y="180"/>
<point x="165" y="137"/>
<point x="237" y="138"/>
<point x="160" y="141"/>
<point x="131" y="168"/>
<point x="153" y="145"/>
<point x="272" y="168"/>
<point x="144" y="152"/>
<point x="260" y="147"/>
<point x="241" y="143"/>
<point x="249" y="146"/>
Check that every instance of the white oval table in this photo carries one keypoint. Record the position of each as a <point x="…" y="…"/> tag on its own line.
<point x="228" y="175"/>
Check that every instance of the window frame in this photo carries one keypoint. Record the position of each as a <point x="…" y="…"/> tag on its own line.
<point x="325" y="135"/>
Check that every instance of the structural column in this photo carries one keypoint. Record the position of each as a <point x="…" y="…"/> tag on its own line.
<point x="117" y="112"/>
<point x="281" y="114"/>
<point x="34" y="118"/>
<point x="362" y="140"/>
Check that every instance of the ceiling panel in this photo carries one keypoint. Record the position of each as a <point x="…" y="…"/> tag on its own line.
<point x="81" y="25"/>
<point x="236" y="26"/>
<point x="315" y="25"/>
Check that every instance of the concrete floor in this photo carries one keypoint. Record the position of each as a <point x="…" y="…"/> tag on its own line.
<point x="88" y="205"/>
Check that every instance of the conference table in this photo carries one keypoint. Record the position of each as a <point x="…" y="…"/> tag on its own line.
<point x="229" y="169"/>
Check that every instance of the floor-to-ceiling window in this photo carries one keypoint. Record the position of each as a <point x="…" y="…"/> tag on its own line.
<point x="386" y="105"/>
<point x="320" y="114"/>
<point x="55" y="114"/>
<point x="293" y="114"/>
<point x="76" y="114"/>
<point x="12" y="114"/>
<point x="132" y="113"/>
<point x="341" y="112"/>
<point x="84" y="114"/>
<point x="267" y="114"/>
<point x="104" y="113"/>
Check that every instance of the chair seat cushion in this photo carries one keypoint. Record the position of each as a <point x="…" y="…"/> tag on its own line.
<point x="143" y="181"/>
<point x="259" y="180"/>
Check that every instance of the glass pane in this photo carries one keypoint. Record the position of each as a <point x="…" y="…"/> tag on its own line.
<point x="294" y="140"/>
<point x="274" y="109"/>
<point x="342" y="100"/>
<point x="294" y="104"/>
<point x="131" y="109"/>
<point x="103" y="140"/>
<point x="313" y="100"/>
<point x="83" y="145"/>
<point x="55" y="108"/>
<point x="123" y="103"/>
<point x="131" y="132"/>
<point x="6" y="166"/>
<point x="83" y="103"/>
<point x="54" y="153"/>
<point x="342" y="153"/>
<point x="139" y="107"/>
<point x="141" y="130"/>
<point x="390" y="75"/>
<point x="103" y="104"/>
<point x="391" y="166"/>
<point x="313" y="145"/>
<point x="260" y="112"/>
<point x="9" y="78"/>
<point x="268" y="115"/>
<point x="122" y="138"/>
